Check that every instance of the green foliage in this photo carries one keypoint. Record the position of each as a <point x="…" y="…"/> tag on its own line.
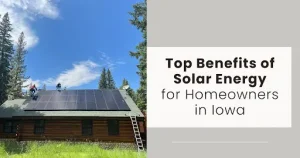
<point x="18" y="69"/>
<point x="130" y="91"/>
<point x="110" y="80"/>
<point x="103" y="81"/>
<point x="63" y="150"/>
<point x="132" y="94"/>
<point x="106" y="80"/>
<point x="139" y="19"/>
<point x="139" y="16"/>
<point x="124" y="83"/>
<point x="6" y="51"/>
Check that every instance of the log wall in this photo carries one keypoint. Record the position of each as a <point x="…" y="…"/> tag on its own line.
<point x="71" y="129"/>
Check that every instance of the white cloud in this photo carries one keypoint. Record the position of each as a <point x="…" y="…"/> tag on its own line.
<point x="23" y="11"/>
<point x="81" y="73"/>
<point x="108" y="62"/>
<point x="30" y="81"/>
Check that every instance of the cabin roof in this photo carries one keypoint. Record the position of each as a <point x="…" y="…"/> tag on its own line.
<point x="15" y="108"/>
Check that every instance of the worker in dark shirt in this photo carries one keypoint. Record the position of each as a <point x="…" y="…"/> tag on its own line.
<point x="33" y="89"/>
<point x="58" y="86"/>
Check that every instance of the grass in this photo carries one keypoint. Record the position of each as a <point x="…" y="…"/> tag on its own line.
<point x="13" y="149"/>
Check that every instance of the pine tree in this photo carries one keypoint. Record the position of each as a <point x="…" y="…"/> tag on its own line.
<point x="139" y="19"/>
<point x="110" y="80"/>
<point x="130" y="91"/>
<point x="6" y="51"/>
<point x="124" y="83"/>
<point x="18" y="69"/>
<point x="103" y="81"/>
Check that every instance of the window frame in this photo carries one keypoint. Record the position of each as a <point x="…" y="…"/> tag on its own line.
<point x="12" y="127"/>
<point x="115" y="130"/>
<point x="39" y="128"/>
<point x="86" y="126"/>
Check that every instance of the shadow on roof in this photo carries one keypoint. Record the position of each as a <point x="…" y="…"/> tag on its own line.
<point x="7" y="112"/>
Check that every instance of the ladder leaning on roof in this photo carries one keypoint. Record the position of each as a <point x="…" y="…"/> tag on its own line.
<point x="137" y="134"/>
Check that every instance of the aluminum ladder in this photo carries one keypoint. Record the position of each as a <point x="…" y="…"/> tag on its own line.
<point x="137" y="134"/>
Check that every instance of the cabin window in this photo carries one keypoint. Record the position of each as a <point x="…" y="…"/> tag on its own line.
<point x="113" y="127"/>
<point x="39" y="127"/>
<point x="87" y="127"/>
<point x="10" y="126"/>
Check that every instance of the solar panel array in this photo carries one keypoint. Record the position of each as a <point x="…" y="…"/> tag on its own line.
<point x="78" y="100"/>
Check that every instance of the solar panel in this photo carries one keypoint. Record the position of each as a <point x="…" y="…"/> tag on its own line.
<point x="90" y="96"/>
<point x="119" y="99"/>
<point x="31" y="105"/>
<point x="46" y="92"/>
<point x="71" y="105"/>
<point x="81" y="106"/>
<point x="41" y="106"/>
<point x="72" y="92"/>
<point x="110" y="100"/>
<point x="78" y="100"/>
<point x="100" y="101"/>
<point x="64" y="93"/>
<point x="81" y="98"/>
<point x="72" y="98"/>
<point x="91" y="106"/>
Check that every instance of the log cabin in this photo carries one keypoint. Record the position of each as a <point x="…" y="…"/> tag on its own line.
<point x="74" y="115"/>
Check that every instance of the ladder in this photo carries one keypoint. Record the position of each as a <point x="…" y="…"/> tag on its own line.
<point x="137" y="134"/>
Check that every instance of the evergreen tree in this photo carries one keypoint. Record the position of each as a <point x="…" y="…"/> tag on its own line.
<point x="103" y="81"/>
<point x="6" y="51"/>
<point x="139" y="19"/>
<point x="124" y="83"/>
<point x="18" y="69"/>
<point x="130" y="91"/>
<point x="110" y="80"/>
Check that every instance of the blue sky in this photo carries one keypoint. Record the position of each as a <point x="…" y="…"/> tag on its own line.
<point x="71" y="41"/>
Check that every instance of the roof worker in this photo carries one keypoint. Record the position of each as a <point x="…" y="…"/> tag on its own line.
<point x="33" y="89"/>
<point x="58" y="86"/>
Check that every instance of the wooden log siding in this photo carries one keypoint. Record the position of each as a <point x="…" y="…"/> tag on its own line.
<point x="71" y="129"/>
